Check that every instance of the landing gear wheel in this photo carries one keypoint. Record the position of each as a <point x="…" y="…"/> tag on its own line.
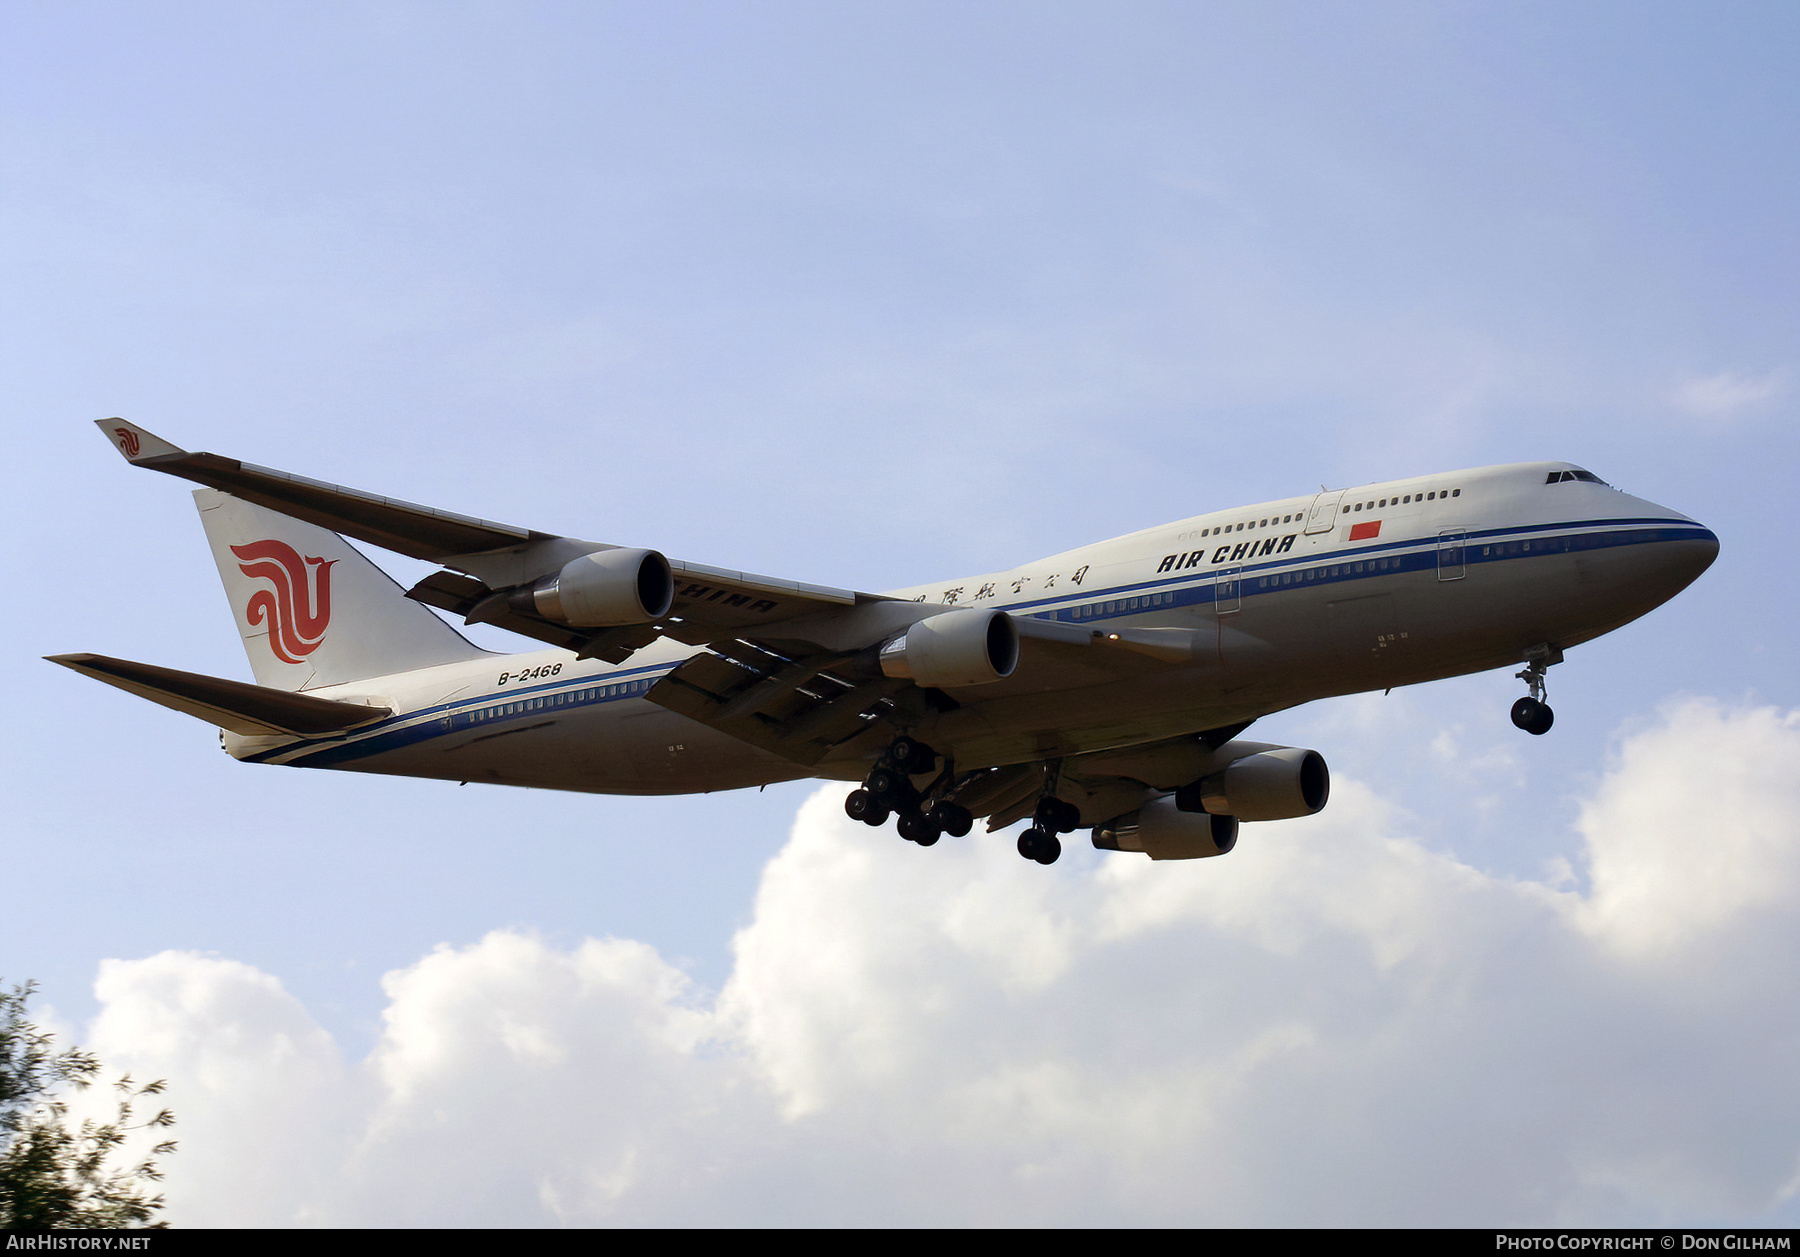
<point x="916" y="828"/>
<point x="1035" y="844"/>
<point x="911" y="756"/>
<point x="1532" y="716"/>
<point x="1048" y="850"/>
<point x="1057" y="816"/>
<point x="953" y="820"/>
<point x="883" y="783"/>
<point x="865" y="807"/>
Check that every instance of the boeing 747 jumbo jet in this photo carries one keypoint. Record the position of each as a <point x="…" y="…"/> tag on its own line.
<point x="1104" y="687"/>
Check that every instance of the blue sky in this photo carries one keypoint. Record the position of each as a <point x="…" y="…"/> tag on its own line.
<point x="870" y="295"/>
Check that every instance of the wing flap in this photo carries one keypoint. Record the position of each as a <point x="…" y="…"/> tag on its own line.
<point x="252" y="710"/>
<point x="795" y="707"/>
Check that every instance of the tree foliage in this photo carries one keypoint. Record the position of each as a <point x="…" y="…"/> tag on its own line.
<point x="51" y="1176"/>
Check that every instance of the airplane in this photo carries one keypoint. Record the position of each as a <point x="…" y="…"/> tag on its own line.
<point x="1105" y="686"/>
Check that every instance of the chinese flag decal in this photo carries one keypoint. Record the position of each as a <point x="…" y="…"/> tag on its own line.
<point x="1362" y="532"/>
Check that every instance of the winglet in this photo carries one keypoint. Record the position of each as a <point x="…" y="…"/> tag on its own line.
<point x="137" y="444"/>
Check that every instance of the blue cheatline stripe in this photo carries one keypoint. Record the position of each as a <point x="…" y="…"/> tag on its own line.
<point x="1382" y="559"/>
<point x="1362" y="563"/>
<point x="1686" y="529"/>
<point x="488" y="710"/>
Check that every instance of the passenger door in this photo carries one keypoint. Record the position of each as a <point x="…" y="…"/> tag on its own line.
<point x="1324" y="512"/>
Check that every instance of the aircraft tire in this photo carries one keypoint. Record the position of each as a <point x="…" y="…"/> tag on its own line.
<point x="1058" y="816"/>
<point x="911" y="755"/>
<point x="953" y="820"/>
<point x="1040" y="845"/>
<point x="916" y="828"/>
<point x="884" y="783"/>
<point x="1532" y="716"/>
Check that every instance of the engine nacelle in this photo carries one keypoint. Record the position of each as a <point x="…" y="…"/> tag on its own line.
<point x="1163" y="831"/>
<point x="954" y="649"/>
<point x="1275" y="785"/>
<point x="606" y="588"/>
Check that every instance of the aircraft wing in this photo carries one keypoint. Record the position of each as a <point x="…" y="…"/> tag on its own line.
<point x="490" y="562"/>
<point x="800" y="698"/>
<point x="420" y="532"/>
<point x="786" y="666"/>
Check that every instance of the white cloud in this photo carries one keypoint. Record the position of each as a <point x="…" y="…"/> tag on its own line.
<point x="1694" y="837"/>
<point x="267" y="1102"/>
<point x="1334" y="1024"/>
<point x="1728" y="394"/>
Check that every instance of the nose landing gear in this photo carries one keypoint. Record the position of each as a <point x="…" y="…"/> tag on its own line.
<point x="1533" y="714"/>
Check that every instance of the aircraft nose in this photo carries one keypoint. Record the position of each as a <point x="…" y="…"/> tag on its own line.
<point x="1687" y="552"/>
<point x="1702" y="550"/>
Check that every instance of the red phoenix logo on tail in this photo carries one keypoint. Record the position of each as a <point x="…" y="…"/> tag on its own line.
<point x="128" y="441"/>
<point x="300" y="608"/>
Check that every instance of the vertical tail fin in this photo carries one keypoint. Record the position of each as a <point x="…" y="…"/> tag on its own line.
<point x="311" y="609"/>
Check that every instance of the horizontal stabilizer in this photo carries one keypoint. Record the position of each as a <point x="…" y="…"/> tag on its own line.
<point x="252" y="710"/>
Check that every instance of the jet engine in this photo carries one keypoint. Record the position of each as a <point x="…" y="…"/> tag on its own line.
<point x="956" y="648"/>
<point x="1201" y="819"/>
<point x="1162" y="831"/>
<point x="608" y="587"/>
<point x="1274" y="785"/>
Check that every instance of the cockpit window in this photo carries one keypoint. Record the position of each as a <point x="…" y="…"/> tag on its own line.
<point x="1557" y="477"/>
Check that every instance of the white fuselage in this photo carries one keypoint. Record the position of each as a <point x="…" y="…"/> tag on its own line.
<point x="1313" y="596"/>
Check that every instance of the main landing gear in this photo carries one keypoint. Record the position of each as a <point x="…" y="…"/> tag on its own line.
<point x="924" y="816"/>
<point x="1053" y="816"/>
<point x="1533" y="714"/>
